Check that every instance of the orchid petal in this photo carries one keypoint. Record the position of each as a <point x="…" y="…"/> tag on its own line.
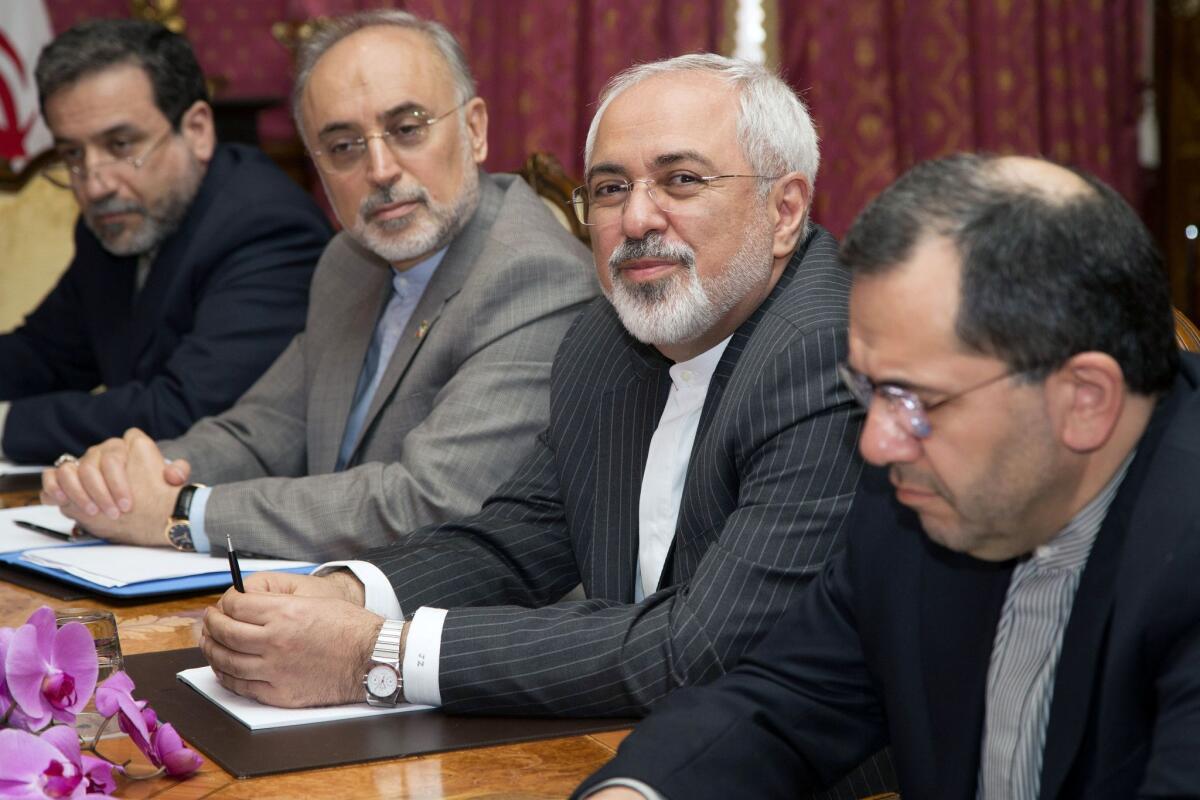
<point x="25" y="667"/>
<point x="66" y="740"/>
<point x="173" y="754"/>
<point x="75" y="654"/>
<point x="46" y="625"/>
<point x="108" y="691"/>
<point x="99" y="775"/>
<point x="27" y="763"/>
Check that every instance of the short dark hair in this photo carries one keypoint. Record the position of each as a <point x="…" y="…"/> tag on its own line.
<point x="90" y="47"/>
<point x="1044" y="276"/>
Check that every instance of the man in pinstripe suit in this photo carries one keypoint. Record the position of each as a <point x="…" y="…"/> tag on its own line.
<point x="1016" y="606"/>
<point x="698" y="464"/>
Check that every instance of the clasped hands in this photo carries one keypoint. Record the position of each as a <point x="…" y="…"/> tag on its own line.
<point x="121" y="489"/>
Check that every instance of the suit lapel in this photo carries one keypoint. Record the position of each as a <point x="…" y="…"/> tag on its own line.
<point x="629" y="416"/>
<point x="960" y="603"/>
<point x="1087" y="629"/>
<point x="447" y="280"/>
<point x="346" y="355"/>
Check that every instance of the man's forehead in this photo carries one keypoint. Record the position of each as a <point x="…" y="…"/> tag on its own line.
<point x="668" y="116"/>
<point x="104" y="100"/>
<point x="374" y="70"/>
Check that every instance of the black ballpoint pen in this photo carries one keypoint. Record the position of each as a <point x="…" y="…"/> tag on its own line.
<point x="235" y="568"/>
<point x="31" y="526"/>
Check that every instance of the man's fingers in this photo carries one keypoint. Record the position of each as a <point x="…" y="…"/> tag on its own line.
<point x="177" y="472"/>
<point x="92" y="481"/>
<point x="68" y="481"/>
<point x="112" y="469"/>
<point x="231" y="661"/>
<point x="233" y="634"/>
<point x="255" y="690"/>
<point x="52" y="494"/>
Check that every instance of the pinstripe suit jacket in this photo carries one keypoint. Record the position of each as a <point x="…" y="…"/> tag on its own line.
<point x="460" y="404"/>
<point x="765" y="499"/>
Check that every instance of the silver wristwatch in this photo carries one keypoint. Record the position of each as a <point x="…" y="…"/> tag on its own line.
<point x="384" y="681"/>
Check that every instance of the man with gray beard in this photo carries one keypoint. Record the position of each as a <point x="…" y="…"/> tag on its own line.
<point x="422" y="377"/>
<point x="696" y="472"/>
<point x="192" y="259"/>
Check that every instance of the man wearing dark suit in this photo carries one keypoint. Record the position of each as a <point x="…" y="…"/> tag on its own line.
<point x="697" y="466"/>
<point x="1016" y="612"/>
<point x="422" y="376"/>
<point x="192" y="260"/>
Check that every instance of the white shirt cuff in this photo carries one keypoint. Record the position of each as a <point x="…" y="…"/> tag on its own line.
<point x="628" y="783"/>
<point x="422" y="655"/>
<point x="196" y="520"/>
<point x="378" y="597"/>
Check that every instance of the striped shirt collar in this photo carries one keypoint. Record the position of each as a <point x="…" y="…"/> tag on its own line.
<point x="1070" y="547"/>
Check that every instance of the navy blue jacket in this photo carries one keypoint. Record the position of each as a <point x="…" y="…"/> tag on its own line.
<point x="226" y="293"/>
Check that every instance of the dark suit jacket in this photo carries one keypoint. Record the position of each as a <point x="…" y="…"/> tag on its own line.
<point x="767" y="491"/>
<point x="894" y="641"/>
<point x="225" y="294"/>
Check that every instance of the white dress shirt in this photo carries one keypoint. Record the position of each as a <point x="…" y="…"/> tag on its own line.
<point x="658" y="511"/>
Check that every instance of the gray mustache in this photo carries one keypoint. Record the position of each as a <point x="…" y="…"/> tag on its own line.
<point x="390" y="194"/>
<point x="652" y="246"/>
<point x="115" y="205"/>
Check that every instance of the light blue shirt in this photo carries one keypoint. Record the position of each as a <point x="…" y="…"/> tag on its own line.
<point x="407" y="288"/>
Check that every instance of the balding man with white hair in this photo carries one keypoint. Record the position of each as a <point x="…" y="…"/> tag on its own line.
<point x="696" y="472"/>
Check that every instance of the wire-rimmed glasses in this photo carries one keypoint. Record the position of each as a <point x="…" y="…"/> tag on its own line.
<point x="905" y="406"/>
<point x="601" y="201"/>
<point x="67" y="170"/>
<point x="345" y="151"/>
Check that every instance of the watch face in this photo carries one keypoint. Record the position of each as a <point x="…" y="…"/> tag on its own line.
<point x="382" y="681"/>
<point x="180" y="535"/>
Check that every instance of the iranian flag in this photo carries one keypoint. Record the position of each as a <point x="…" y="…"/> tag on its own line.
<point x="24" y="31"/>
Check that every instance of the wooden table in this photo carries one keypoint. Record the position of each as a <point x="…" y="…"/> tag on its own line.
<point x="530" y="771"/>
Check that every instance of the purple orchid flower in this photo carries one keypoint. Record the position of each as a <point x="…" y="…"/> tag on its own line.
<point x="115" y="696"/>
<point x="97" y="774"/>
<point x="171" y="753"/>
<point x="50" y="672"/>
<point x="36" y="766"/>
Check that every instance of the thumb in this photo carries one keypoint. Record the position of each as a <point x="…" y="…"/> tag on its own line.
<point x="177" y="472"/>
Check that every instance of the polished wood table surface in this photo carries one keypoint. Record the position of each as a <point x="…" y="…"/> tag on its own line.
<point x="530" y="771"/>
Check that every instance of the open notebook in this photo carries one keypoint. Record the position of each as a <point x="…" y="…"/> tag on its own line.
<point x="256" y="716"/>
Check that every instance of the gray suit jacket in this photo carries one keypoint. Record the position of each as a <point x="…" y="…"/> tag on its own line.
<point x="765" y="499"/>
<point x="459" y="406"/>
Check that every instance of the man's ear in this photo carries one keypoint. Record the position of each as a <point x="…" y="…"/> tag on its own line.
<point x="197" y="129"/>
<point x="477" y="128"/>
<point x="788" y="205"/>
<point x="1087" y="395"/>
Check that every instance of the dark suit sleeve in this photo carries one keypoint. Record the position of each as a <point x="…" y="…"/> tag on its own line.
<point x="246" y="309"/>
<point x="50" y="351"/>
<point x="796" y="474"/>
<point x="798" y="712"/>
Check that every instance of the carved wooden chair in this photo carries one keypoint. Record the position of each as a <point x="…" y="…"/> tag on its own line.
<point x="546" y="176"/>
<point x="1186" y="333"/>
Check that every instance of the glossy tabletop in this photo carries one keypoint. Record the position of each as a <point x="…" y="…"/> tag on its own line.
<point x="529" y="771"/>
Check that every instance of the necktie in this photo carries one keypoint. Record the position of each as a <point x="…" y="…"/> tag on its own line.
<point x="379" y="354"/>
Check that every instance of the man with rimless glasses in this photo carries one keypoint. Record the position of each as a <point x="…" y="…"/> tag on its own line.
<point x="696" y="471"/>
<point x="421" y="378"/>
<point x="192" y="259"/>
<point x="1015" y="611"/>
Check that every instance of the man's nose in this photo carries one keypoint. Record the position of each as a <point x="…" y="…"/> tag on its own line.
<point x="884" y="440"/>
<point x="383" y="168"/>
<point x="641" y="214"/>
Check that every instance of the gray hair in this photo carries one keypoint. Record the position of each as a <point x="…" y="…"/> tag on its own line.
<point x="773" y="124"/>
<point x="330" y="32"/>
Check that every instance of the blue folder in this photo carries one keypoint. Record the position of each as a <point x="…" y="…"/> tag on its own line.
<point x="213" y="581"/>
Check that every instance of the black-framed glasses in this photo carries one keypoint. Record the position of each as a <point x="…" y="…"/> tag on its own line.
<point x="67" y="170"/>
<point x="904" y="405"/>
<point x="403" y="132"/>
<point x="601" y="201"/>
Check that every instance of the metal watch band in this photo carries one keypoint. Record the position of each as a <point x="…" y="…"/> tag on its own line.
<point x="387" y="645"/>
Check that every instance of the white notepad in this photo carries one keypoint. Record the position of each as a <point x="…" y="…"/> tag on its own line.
<point x="13" y="538"/>
<point x="9" y="468"/>
<point x="255" y="716"/>
<point x="113" y="565"/>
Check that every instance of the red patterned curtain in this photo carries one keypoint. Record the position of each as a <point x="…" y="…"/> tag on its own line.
<point x="894" y="82"/>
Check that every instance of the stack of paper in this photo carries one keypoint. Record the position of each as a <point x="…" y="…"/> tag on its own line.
<point x="13" y="537"/>
<point x="9" y="468"/>
<point x="255" y="716"/>
<point x="120" y="565"/>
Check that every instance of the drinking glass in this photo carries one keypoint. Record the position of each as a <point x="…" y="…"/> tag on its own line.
<point x="103" y="627"/>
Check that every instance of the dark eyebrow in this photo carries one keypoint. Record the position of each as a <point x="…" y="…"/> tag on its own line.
<point x="124" y="128"/>
<point x="669" y="159"/>
<point x="403" y="108"/>
<point x="605" y="168"/>
<point x="336" y="127"/>
<point x="344" y="127"/>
